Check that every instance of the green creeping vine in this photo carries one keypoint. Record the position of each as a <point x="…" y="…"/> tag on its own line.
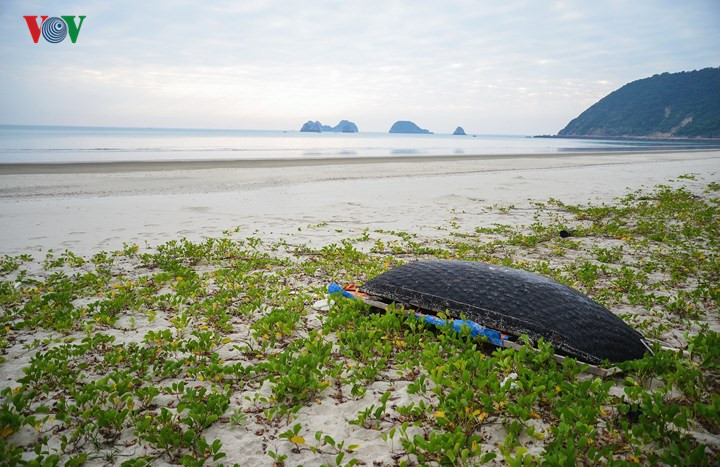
<point x="162" y="356"/>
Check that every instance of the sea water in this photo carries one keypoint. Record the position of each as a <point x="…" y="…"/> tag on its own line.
<point x="61" y="144"/>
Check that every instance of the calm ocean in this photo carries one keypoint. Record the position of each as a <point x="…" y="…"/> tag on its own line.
<point x="42" y="144"/>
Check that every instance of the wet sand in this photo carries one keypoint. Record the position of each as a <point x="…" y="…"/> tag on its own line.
<point x="90" y="207"/>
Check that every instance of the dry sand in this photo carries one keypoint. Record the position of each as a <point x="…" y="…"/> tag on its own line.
<point x="90" y="207"/>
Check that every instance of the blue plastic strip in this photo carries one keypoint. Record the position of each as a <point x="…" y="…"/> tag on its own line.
<point x="334" y="287"/>
<point x="493" y="336"/>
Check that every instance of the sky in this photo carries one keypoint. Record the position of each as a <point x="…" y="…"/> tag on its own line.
<point x="492" y="67"/>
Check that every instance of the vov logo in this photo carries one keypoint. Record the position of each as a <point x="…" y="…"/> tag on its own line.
<point x="54" y="29"/>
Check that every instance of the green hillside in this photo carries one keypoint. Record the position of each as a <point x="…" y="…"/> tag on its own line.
<point x="683" y="105"/>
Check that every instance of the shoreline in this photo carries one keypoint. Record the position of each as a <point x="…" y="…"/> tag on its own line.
<point x="711" y="142"/>
<point x="30" y="168"/>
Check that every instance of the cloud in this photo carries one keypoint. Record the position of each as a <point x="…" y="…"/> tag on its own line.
<point x="519" y="67"/>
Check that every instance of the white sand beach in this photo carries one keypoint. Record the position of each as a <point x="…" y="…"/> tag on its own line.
<point x="92" y="207"/>
<point x="87" y="208"/>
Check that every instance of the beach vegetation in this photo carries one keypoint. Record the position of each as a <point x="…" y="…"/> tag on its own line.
<point x="151" y="355"/>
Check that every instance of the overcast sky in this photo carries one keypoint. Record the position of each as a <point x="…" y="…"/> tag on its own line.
<point x="493" y="67"/>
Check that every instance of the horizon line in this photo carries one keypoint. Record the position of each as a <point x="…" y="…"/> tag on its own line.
<point x="247" y="129"/>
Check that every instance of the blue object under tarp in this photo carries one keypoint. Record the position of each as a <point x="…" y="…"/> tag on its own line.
<point x="493" y="336"/>
<point x="334" y="287"/>
<point x="476" y="330"/>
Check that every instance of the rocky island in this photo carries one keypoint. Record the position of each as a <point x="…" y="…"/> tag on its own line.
<point x="404" y="126"/>
<point x="459" y="131"/>
<point x="311" y="127"/>
<point x="344" y="126"/>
